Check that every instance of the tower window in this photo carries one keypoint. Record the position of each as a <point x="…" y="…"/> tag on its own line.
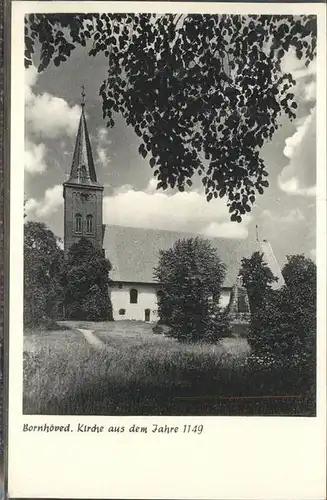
<point x="78" y="223"/>
<point x="133" y="296"/>
<point x="89" y="223"/>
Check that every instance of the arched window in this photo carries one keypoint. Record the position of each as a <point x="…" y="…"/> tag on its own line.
<point x="89" y="223"/>
<point x="78" y="223"/>
<point x="133" y="296"/>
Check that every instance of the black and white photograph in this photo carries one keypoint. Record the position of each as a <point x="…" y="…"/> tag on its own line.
<point x="170" y="214"/>
<point x="167" y="251"/>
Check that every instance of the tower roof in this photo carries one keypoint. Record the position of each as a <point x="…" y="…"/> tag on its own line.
<point x="83" y="170"/>
<point x="272" y="263"/>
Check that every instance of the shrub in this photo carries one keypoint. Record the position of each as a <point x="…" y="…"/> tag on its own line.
<point x="275" y="374"/>
<point x="218" y="325"/>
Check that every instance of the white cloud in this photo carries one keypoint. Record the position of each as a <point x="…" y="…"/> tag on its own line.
<point x="305" y="76"/>
<point x="299" y="176"/>
<point x="30" y="81"/>
<point x="310" y="91"/>
<point x="292" y="187"/>
<point x="152" y="186"/>
<point x="47" y="115"/>
<point x="103" y="135"/>
<point x="187" y="211"/>
<point x="50" y="116"/>
<point x="293" y="142"/>
<point x="103" y="147"/>
<point x="291" y="64"/>
<point x="293" y="216"/>
<point x="50" y="204"/>
<point x="226" y="230"/>
<point x="34" y="157"/>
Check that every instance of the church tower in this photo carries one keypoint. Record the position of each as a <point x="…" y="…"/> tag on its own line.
<point x="82" y="193"/>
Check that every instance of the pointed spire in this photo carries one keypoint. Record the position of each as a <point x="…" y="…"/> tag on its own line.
<point x="257" y="232"/>
<point x="83" y="96"/>
<point x="83" y="170"/>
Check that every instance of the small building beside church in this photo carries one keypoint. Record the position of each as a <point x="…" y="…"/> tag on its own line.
<point x="132" y="252"/>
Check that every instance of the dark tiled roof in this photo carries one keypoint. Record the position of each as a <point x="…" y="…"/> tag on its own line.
<point x="133" y="252"/>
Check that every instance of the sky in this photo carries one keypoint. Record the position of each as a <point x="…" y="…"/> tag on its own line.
<point x="285" y="213"/>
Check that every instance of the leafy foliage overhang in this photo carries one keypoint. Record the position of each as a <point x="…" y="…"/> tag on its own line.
<point x="203" y="92"/>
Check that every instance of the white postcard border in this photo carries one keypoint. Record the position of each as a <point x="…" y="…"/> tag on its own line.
<point x="235" y="457"/>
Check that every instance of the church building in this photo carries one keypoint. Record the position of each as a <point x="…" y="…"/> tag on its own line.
<point x="133" y="252"/>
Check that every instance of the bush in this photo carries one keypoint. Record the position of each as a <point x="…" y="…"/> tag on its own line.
<point x="94" y="307"/>
<point x="283" y="327"/>
<point x="277" y="374"/>
<point x="218" y="325"/>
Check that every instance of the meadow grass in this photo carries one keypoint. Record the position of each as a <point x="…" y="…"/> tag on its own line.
<point x="138" y="373"/>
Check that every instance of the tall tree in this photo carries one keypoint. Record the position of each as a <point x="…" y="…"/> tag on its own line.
<point x="300" y="299"/>
<point x="284" y="322"/>
<point x="203" y="92"/>
<point x="191" y="275"/>
<point x="42" y="269"/>
<point x="300" y="272"/>
<point x="257" y="278"/>
<point x="85" y="281"/>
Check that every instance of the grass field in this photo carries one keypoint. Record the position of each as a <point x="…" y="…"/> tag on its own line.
<point x="135" y="372"/>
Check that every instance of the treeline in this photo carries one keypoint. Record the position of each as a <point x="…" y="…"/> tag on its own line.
<point x="191" y="274"/>
<point x="282" y="330"/>
<point x="57" y="288"/>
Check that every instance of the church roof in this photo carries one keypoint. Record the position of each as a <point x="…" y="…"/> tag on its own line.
<point x="83" y="170"/>
<point x="133" y="252"/>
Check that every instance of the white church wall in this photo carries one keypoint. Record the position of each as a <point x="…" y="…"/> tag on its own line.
<point x="224" y="297"/>
<point x="146" y="300"/>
